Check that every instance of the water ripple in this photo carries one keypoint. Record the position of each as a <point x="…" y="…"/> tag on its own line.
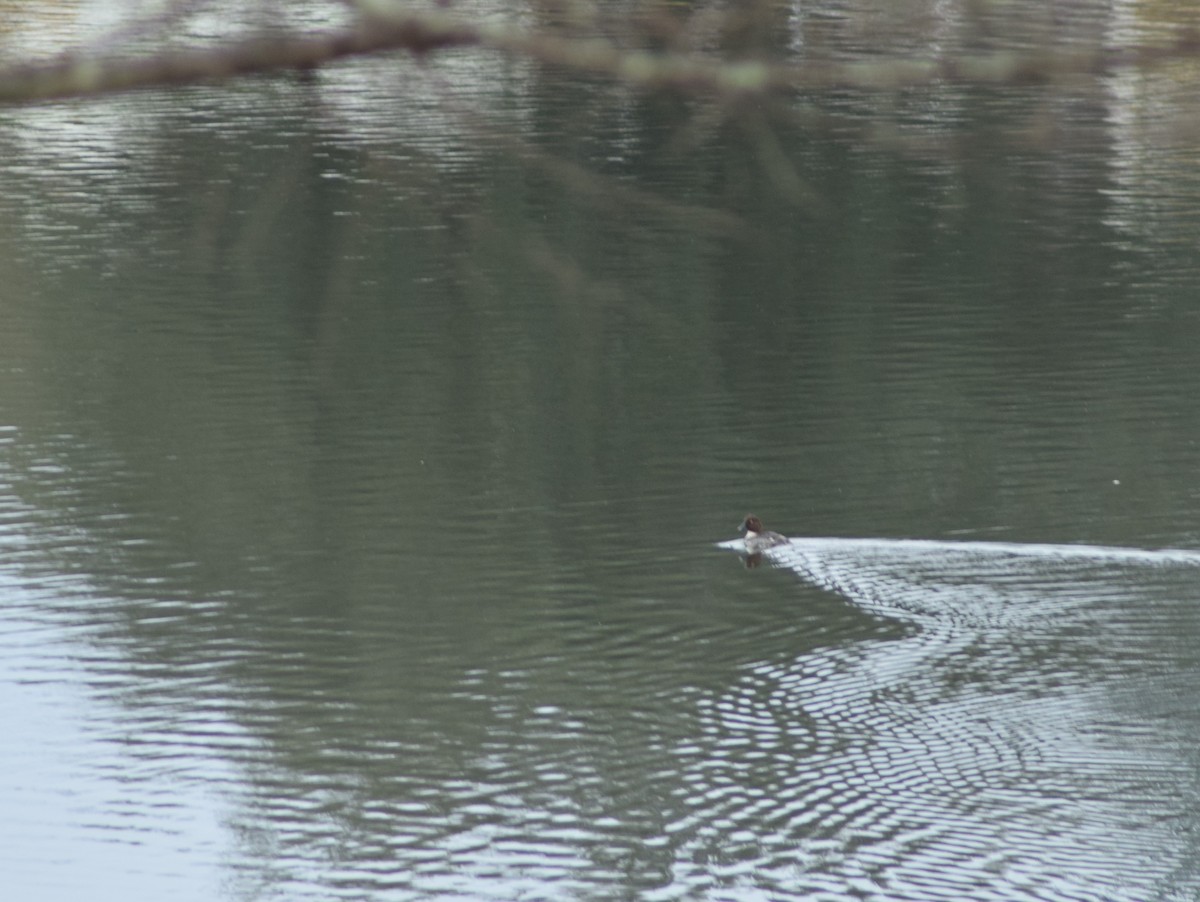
<point x="994" y="753"/>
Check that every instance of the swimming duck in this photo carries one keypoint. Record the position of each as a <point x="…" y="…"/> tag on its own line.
<point x="758" y="539"/>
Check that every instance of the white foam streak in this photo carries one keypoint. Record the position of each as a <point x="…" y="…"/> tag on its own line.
<point x="934" y="547"/>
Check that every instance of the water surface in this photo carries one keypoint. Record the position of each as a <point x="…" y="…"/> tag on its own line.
<point x="365" y="437"/>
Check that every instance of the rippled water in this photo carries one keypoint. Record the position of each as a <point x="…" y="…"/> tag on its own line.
<point x="1027" y="739"/>
<point x="365" y="437"/>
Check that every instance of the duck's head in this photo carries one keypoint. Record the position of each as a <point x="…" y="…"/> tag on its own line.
<point x="751" y="526"/>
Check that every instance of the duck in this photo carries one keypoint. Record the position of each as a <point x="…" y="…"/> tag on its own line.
<point x="757" y="538"/>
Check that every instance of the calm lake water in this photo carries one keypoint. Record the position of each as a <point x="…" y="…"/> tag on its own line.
<point x="365" y="441"/>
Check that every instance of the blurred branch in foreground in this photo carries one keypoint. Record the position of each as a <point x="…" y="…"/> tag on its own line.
<point x="84" y="73"/>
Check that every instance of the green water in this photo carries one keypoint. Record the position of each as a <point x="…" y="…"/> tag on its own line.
<point x="361" y="460"/>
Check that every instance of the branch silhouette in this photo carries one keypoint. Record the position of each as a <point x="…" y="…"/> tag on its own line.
<point x="91" y="72"/>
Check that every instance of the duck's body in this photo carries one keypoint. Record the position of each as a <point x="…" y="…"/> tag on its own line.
<point x="758" y="538"/>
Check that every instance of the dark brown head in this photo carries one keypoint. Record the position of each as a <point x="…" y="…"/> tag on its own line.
<point x="751" y="525"/>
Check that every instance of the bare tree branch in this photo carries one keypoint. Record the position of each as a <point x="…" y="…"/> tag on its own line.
<point x="81" y="73"/>
<point x="85" y="73"/>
